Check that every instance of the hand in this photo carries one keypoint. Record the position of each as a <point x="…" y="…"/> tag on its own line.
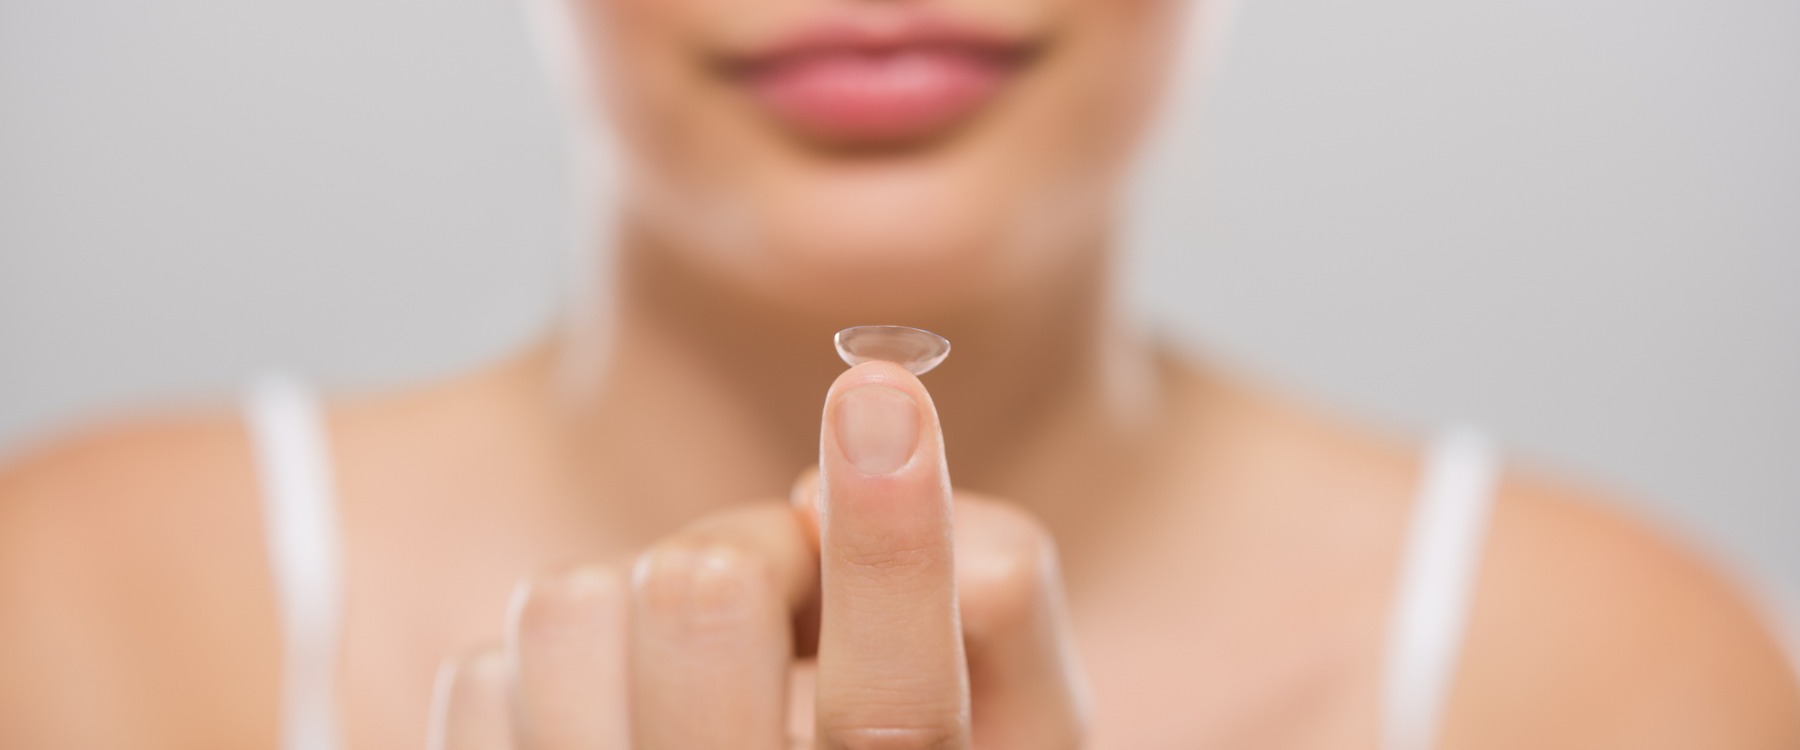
<point x="694" y="649"/>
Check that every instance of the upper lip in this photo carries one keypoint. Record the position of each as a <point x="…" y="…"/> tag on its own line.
<point x="863" y="35"/>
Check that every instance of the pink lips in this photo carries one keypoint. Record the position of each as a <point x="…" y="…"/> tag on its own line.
<point x="852" y="85"/>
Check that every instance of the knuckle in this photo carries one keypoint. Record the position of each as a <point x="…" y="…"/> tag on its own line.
<point x="888" y="556"/>
<point x="548" y="603"/>
<point x="1006" y="579"/>
<point x="895" y="556"/>
<point x="699" y="581"/>
<point x="474" y="677"/>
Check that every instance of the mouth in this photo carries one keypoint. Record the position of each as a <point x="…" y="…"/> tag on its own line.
<point x="852" y="85"/>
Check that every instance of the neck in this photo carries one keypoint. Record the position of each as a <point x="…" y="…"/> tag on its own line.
<point x="703" y="395"/>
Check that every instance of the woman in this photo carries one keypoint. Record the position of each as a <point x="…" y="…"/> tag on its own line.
<point x="1141" y="551"/>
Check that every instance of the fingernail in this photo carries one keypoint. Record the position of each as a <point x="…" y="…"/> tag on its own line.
<point x="877" y="428"/>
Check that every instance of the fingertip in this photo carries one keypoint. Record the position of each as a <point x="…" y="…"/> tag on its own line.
<point x="879" y="372"/>
<point x="881" y="456"/>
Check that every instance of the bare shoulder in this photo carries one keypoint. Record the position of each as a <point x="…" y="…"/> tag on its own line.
<point x="136" y="602"/>
<point x="1593" y="629"/>
<point x="132" y="578"/>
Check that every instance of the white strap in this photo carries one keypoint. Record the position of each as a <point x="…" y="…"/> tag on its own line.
<point x="1436" y="586"/>
<point x="300" y="519"/>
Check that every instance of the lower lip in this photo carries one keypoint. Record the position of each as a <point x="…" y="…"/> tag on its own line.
<point x="864" y="99"/>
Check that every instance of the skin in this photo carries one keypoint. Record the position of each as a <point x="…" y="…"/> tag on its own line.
<point x="1141" y="550"/>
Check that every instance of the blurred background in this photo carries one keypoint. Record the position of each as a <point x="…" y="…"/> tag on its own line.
<point x="1576" y="222"/>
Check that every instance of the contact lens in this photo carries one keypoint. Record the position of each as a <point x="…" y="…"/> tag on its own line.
<point x="915" y="349"/>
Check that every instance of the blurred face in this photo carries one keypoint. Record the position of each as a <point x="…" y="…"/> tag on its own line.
<point x="872" y="156"/>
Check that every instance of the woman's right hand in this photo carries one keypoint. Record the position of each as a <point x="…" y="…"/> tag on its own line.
<point x="694" y="646"/>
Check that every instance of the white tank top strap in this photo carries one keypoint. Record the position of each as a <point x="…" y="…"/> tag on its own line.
<point x="293" y="459"/>
<point x="1436" y="585"/>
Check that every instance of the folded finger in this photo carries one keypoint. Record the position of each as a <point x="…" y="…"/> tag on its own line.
<point x="566" y="637"/>
<point x="1029" y="690"/>
<point x="711" y="631"/>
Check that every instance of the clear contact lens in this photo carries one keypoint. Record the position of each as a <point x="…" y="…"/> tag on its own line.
<point x="914" y="349"/>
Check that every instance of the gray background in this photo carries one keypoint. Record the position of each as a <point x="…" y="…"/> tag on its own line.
<point x="1575" y="221"/>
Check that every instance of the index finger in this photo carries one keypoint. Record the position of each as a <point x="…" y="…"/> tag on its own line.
<point x="891" y="671"/>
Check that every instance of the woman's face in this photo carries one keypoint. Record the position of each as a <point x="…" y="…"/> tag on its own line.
<point x="872" y="156"/>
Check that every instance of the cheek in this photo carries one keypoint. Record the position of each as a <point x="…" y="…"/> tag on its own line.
<point x="1111" y="76"/>
<point x="646" y="72"/>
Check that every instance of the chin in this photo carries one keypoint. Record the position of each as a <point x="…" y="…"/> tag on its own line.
<point x="892" y="245"/>
<point x="873" y="276"/>
<point x="905" y="237"/>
